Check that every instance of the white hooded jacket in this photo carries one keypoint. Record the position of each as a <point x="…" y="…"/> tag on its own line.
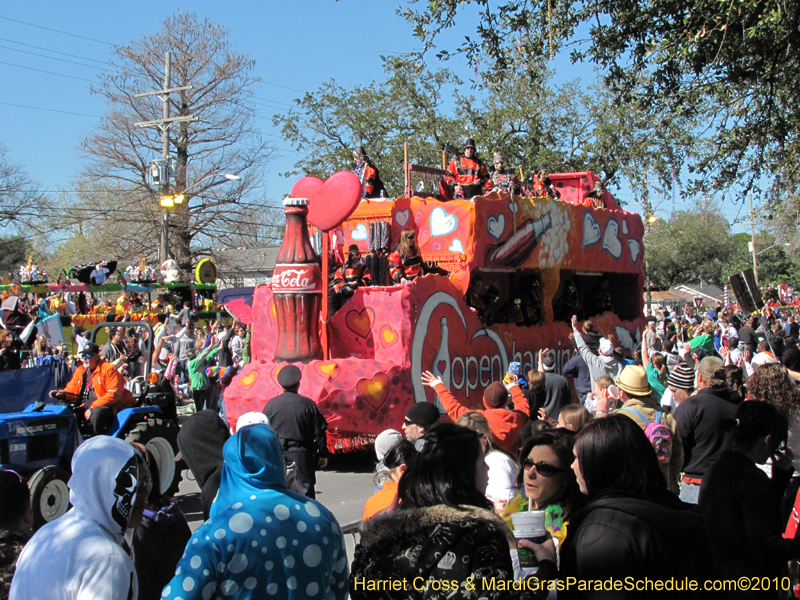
<point x="78" y="556"/>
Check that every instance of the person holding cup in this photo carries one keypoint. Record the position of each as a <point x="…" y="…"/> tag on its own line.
<point x="546" y="481"/>
<point x="443" y="533"/>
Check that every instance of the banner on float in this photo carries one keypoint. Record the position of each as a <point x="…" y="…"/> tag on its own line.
<point x="50" y="327"/>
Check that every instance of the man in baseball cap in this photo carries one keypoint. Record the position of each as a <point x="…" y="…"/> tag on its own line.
<point x="420" y="417"/>
<point x="99" y="388"/>
<point x="301" y="428"/>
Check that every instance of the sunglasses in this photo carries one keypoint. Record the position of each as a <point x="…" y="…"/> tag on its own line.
<point x="542" y="468"/>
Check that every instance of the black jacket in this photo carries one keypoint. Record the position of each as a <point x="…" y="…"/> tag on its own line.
<point x="592" y="339"/>
<point x="200" y="441"/>
<point x="297" y="418"/>
<point x="741" y="508"/>
<point x="791" y="358"/>
<point x="623" y="537"/>
<point x="704" y="421"/>
<point x="749" y="336"/>
<point x="776" y="341"/>
<point x="158" y="544"/>
<point x="440" y="543"/>
<point x="557" y="394"/>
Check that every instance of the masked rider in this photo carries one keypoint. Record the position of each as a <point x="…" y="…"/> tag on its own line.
<point x="503" y="181"/>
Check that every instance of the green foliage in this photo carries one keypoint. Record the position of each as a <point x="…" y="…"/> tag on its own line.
<point x="732" y="66"/>
<point x="693" y="245"/>
<point x="571" y="127"/>
<point x="774" y="263"/>
<point x="408" y="107"/>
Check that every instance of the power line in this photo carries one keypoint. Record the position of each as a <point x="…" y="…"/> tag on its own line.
<point x="48" y="72"/>
<point x="74" y="62"/>
<point x="83" y="37"/>
<point x="102" y="62"/>
<point x="283" y="87"/>
<point x="270" y="100"/>
<point x="66" y="112"/>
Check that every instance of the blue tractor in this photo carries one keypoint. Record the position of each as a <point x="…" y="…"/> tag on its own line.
<point x="38" y="443"/>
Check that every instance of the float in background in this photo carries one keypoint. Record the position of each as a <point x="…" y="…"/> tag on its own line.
<point x="365" y="373"/>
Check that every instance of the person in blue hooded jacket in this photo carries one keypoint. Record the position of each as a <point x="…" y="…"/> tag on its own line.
<point x="262" y="540"/>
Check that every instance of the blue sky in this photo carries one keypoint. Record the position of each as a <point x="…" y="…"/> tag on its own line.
<point x="297" y="45"/>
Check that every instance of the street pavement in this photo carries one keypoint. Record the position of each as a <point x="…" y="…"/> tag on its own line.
<point x="343" y="488"/>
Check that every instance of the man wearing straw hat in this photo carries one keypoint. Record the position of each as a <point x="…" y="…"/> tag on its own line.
<point x="635" y="392"/>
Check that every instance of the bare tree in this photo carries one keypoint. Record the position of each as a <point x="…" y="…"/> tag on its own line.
<point x="20" y="200"/>
<point x="223" y="140"/>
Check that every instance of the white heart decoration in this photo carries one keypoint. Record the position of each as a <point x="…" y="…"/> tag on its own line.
<point x="496" y="226"/>
<point x="456" y="246"/>
<point x="591" y="230"/>
<point x="441" y="222"/>
<point x="635" y="248"/>
<point x="360" y="232"/>
<point x="625" y="228"/>
<point x="611" y="243"/>
<point x="513" y="206"/>
<point x="402" y="217"/>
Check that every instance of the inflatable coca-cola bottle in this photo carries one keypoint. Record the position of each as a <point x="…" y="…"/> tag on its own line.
<point x="297" y="289"/>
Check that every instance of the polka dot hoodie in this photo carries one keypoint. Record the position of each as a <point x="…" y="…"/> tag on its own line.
<point x="262" y="541"/>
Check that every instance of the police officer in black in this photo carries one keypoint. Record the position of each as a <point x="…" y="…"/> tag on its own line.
<point x="301" y="428"/>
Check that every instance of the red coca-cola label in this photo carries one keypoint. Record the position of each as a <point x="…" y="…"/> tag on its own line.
<point x="297" y="279"/>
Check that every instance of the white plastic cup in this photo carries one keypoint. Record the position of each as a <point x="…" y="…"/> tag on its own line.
<point x="529" y="526"/>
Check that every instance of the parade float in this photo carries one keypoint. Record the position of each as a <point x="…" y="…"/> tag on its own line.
<point x="363" y="364"/>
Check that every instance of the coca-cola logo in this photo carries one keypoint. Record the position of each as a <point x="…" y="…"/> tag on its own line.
<point x="297" y="278"/>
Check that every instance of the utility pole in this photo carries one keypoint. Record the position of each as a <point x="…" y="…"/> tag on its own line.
<point x="163" y="246"/>
<point x="648" y="219"/>
<point x="164" y="124"/>
<point x="753" y="238"/>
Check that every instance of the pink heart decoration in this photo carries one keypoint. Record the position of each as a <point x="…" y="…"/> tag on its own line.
<point x="329" y="202"/>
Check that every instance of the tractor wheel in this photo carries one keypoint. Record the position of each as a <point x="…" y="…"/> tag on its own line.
<point x="161" y="438"/>
<point x="49" y="495"/>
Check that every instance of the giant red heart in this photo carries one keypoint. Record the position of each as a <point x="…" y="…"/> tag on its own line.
<point x="329" y="202"/>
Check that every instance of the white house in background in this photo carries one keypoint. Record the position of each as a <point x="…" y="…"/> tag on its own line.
<point x="244" y="267"/>
<point x="686" y="293"/>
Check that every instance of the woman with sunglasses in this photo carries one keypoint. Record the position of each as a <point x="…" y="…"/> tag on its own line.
<point x="546" y="481"/>
<point x="633" y="526"/>
<point x="405" y="263"/>
<point x="741" y="504"/>
<point x="444" y="533"/>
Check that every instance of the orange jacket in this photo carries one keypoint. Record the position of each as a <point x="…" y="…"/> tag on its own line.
<point x="381" y="500"/>
<point x="108" y="384"/>
<point x="467" y="171"/>
<point x="505" y="424"/>
<point x="407" y="268"/>
<point x="354" y="276"/>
